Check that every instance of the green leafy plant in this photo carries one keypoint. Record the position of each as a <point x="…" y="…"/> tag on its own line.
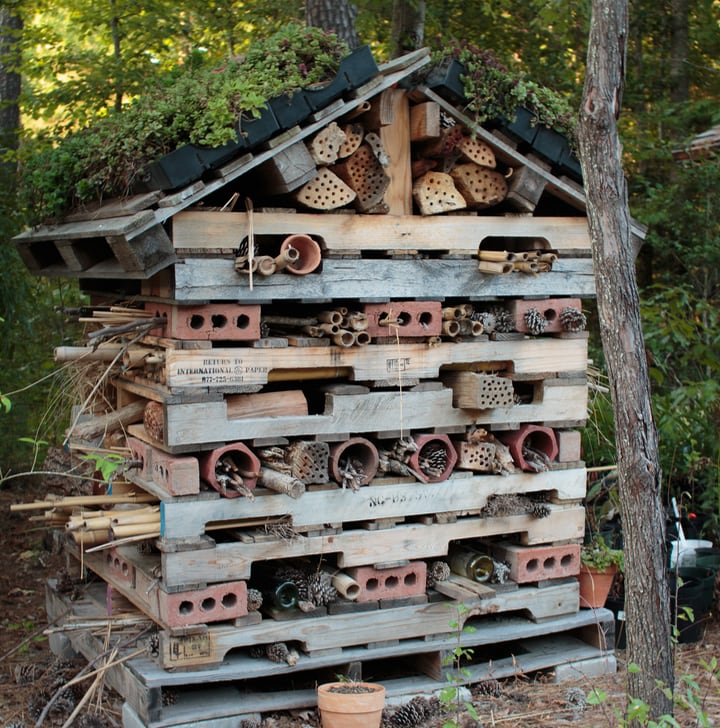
<point x="598" y="555"/>
<point x="107" y="464"/>
<point x="451" y="697"/>
<point x="196" y="105"/>
<point x="495" y="91"/>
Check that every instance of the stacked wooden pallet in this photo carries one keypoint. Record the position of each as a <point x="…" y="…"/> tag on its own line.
<point x="348" y="428"/>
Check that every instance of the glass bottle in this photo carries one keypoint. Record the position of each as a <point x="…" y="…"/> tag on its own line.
<point x="470" y="563"/>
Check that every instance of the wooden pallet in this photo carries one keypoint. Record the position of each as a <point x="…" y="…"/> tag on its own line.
<point x="504" y="646"/>
<point x="457" y="234"/>
<point x="195" y="561"/>
<point x="199" y="279"/>
<point x="384" y="498"/>
<point x="555" y="402"/>
<point x="392" y="364"/>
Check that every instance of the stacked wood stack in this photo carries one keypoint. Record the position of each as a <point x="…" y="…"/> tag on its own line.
<point x="326" y="446"/>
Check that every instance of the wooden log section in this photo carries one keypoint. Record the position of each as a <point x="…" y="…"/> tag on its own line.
<point x="109" y="422"/>
<point x="435" y="193"/>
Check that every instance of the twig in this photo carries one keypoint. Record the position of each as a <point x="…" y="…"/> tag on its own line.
<point x="85" y="698"/>
<point x="30" y="637"/>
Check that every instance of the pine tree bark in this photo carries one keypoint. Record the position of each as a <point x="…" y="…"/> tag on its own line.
<point x="408" y="26"/>
<point x="646" y="585"/>
<point x="337" y="16"/>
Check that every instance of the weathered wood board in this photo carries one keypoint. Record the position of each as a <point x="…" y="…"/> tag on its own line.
<point x="201" y="230"/>
<point x="233" y="560"/>
<point x="187" y="518"/>
<point x="199" y="279"/>
<point x="555" y="400"/>
<point x="221" y="367"/>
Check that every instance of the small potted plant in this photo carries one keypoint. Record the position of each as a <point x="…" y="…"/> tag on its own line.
<point x="349" y="704"/>
<point x="599" y="563"/>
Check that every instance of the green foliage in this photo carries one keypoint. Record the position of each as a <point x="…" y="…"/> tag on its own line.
<point x="107" y="464"/>
<point x="196" y="104"/>
<point x="688" y="697"/>
<point x="495" y="91"/>
<point x="450" y="696"/>
<point x="598" y="555"/>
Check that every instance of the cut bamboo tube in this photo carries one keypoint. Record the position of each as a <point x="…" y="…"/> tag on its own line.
<point x="281" y="482"/>
<point x="345" y="585"/>
<point x="362" y="338"/>
<point x="107" y="352"/>
<point x="527" y="266"/>
<point x="450" y="313"/>
<point x="286" y="258"/>
<point x="266" y="265"/>
<point x="135" y="529"/>
<point x="344" y="338"/>
<point x="90" y="538"/>
<point x="450" y="328"/>
<point x="493" y="268"/>
<point x="497" y="256"/>
<point x="330" y="317"/>
<point x="83" y="500"/>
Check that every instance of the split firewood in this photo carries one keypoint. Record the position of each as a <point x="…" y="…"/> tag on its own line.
<point x="109" y="422"/>
<point x="281" y="482"/>
<point x="435" y="193"/>
<point x="479" y="186"/>
<point x="326" y="192"/>
<point x="325" y="146"/>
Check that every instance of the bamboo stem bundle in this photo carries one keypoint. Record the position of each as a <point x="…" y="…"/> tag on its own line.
<point x="495" y="268"/>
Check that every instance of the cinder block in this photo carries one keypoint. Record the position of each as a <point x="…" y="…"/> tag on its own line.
<point x="215" y="603"/>
<point x="392" y="583"/>
<point x="175" y="475"/>
<point x="591" y="667"/>
<point x="407" y="318"/>
<point x="537" y="563"/>
<point x="208" y="322"/>
<point x="534" y="437"/>
<point x="119" y="568"/>
<point x="550" y="308"/>
<point x="142" y="452"/>
<point x="569" y="445"/>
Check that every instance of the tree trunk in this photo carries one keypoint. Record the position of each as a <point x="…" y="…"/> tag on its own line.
<point x="337" y="16"/>
<point x="408" y="26"/>
<point x="646" y="584"/>
<point x="679" y="75"/>
<point x="10" y="57"/>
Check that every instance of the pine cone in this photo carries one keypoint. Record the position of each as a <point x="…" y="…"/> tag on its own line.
<point x="437" y="571"/>
<point x="487" y="319"/>
<point x="433" y="460"/>
<point x="572" y="319"/>
<point x="298" y="577"/>
<point x="26" y="673"/>
<point x="279" y="652"/>
<point x="539" y="510"/>
<point x="535" y="321"/>
<point x="413" y="713"/>
<point x="257" y="651"/>
<point x="169" y="697"/>
<point x="320" y="590"/>
<point x="254" y="600"/>
<point x="488" y="689"/>
<point x="504" y="321"/>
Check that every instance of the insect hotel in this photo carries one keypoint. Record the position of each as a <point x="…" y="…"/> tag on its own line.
<point x="345" y="364"/>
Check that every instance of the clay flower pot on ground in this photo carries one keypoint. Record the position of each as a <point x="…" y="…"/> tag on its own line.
<point x="351" y="704"/>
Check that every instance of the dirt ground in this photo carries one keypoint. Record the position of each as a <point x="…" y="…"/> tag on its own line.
<point x="30" y="675"/>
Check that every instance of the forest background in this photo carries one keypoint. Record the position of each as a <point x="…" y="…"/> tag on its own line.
<point x="77" y="60"/>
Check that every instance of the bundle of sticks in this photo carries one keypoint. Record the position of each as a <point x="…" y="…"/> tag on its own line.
<point x="497" y="262"/>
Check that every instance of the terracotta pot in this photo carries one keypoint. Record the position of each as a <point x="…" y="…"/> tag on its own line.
<point x="351" y="705"/>
<point x="309" y="250"/>
<point x="595" y="586"/>
<point x="356" y="448"/>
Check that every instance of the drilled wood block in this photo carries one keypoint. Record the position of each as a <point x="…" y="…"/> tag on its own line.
<point x="477" y="456"/>
<point x="326" y="192"/>
<point x="435" y="193"/>
<point x="479" y="186"/>
<point x="354" y="134"/>
<point x="475" y="390"/>
<point x="538" y="563"/>
<point x="406" y="318"/>
<point x="392" y="583"/>
<point x="213" y="321"/>
<point x="325" y="146"/>
<point x="476" y="150"/>
<point x="549" y="308"/>
<point x="308" y="460"/>
<point x="364" y="174"/>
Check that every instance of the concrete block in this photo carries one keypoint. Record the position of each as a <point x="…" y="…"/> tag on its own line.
<point x="407" y="318"/>
<point x="208" y="322"/>
<point x="392" y="583"/>
<point x="537" y="563"/>
<point x="569" y="445"/>
<point x="592" y="667"/>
